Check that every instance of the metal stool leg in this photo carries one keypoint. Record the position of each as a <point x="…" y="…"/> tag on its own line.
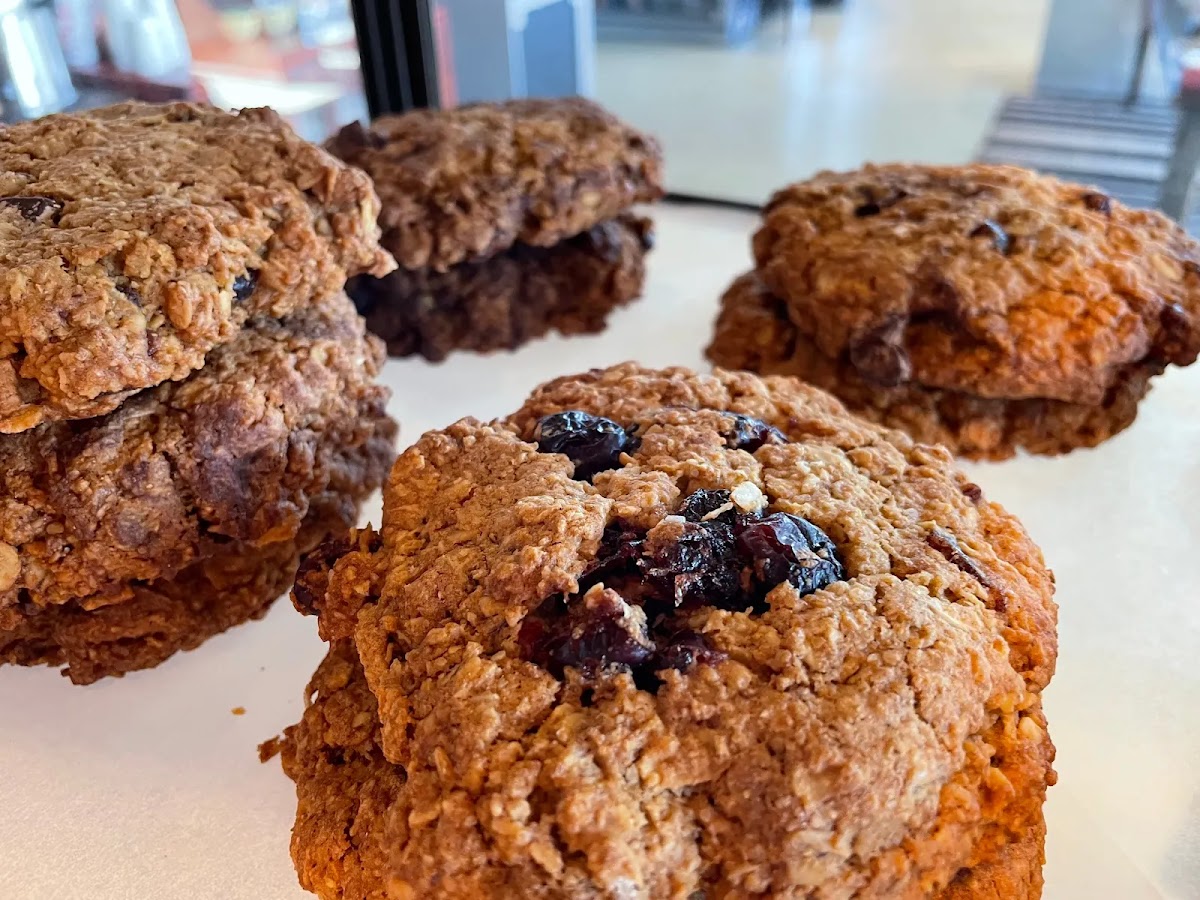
<point x="1139" y="66"/>
<point x="1182" y="168"/>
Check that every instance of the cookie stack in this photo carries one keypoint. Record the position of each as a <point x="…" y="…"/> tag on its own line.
<point x="186" y="393"/>
<point x="508" y="221"/>
<point x="672" y="635"/>
<point x="987" y="308"/>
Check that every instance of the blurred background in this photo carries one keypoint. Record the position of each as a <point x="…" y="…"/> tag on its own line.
<point x="745" y="95"/>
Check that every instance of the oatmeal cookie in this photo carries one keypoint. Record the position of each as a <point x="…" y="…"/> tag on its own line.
<point x="754" y="332"/>
<point x="990" y="280"/>
<point x="466" y="183"/>
<point x="517" y="295"/>
<point x="136" y="238"/>
<point x="235" y="453"/>
<point x="231" y="582"/>
<point x="666" y="635"/>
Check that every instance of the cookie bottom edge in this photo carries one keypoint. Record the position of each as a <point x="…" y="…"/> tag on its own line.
<point x="753" y="333"/>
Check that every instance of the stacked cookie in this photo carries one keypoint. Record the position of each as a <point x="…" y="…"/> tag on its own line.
<point x="186" y="393"/>
<point x="508" y="220"/>
<point x="672" y="635"/>
<point x="987" y="308"/>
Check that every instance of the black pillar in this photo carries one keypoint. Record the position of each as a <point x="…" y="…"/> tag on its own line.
<point x="395" y="46"/>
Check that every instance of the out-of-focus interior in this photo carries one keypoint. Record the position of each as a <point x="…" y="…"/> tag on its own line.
<point x="745" y="94"/>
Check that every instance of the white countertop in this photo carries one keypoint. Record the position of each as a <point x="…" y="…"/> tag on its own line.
<point x="149" y="788"/>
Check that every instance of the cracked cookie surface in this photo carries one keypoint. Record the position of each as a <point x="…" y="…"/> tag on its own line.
<point x="719" y="720"/>
<point x="466" y="183"/>
<point x="989" y="280"/>
<point x="134" y="239"/>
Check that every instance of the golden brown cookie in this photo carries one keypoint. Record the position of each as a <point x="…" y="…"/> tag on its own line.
<point x="667" y="635"/>
<point x="754" y="331"/>
<point x="989" y="280"/>
<point x="136" y="238"/>
<point x="466" y="183"/>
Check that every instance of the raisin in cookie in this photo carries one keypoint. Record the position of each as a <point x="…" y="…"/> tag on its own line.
<point x="238" y="452"/>
<point x="136" y="238"/>
<point x="466" y="183"/>
<point x="754" y="331"/>
<point x="989" y="280"/>
<point x="670" y="635"/>
<point x="516" y="295"/>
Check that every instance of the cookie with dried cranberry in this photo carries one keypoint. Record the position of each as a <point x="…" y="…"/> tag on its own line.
<point x="137" y="238"/>
<point x="663" y="634"/>
<point x="464" y="184"/>
<point x="754" y="331"/>
<point x="519" y="294"/>
<point x="989" y="280"/>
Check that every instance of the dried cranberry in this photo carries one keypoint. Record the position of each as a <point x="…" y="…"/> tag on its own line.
<point x="782" y="547"/>
<point x="312" y="579"/>
<point x="243" y="286"/>
<point x="354" y="137"/>
<point x="702" y="502"/>
<point x="597" y="630"/>
<point x="1176" y="334"/>
<point x="619" y="551"/>
<point x="880" y="355"/>
<point x="593" y="443"/>
<point x="1098" y="202"/>
<point x="1000" y="239"/>
<point x="684" y="649"/>
<point x="130" y="293"/>
<point x="874" y="205"/>
<point x="947" y="544"/>
<point x="699" y="567"/>
<point x="748" y="433"/>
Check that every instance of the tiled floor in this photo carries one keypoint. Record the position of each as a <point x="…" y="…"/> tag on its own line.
<point x="864" y="80"/>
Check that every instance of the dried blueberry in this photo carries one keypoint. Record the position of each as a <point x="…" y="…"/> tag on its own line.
<point x="748" y="433"/>
<point x="991" y="229"/>
<point x="597" y="630"/>
<point x="243" y="286"/>
<point x="703" y="502"/>
<point x="35" y="209"/>
<point x="781" y="547"/>
<point x="699" y="567"/>
<point x="593" y="443"/>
